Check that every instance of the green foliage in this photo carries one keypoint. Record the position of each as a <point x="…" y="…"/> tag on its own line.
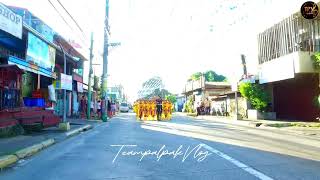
<point x="196" y="76"/>
<point x="256" y="95"/>
<point x="189" y="106"/>
<point x="171" y="98"/>
<point x="11" y="131"/>
<point x="316" y="60"/>
<point x="210" y="76"/>
<point x="316" y="101"/>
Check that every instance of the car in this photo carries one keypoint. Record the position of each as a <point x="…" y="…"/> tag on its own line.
<point x="124" y="107"/>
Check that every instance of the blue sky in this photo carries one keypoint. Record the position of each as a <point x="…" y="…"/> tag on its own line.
<point x="168" y="38"/>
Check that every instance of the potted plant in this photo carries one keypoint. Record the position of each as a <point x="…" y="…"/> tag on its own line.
<point x="258" y="99"/>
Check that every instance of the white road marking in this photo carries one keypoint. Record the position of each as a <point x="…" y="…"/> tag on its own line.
<point x="239" y="164"/>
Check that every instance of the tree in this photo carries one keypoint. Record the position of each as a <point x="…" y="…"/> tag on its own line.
<point x="256" y="95"/>
<point x="163" y="93"/>
<point x="196" y="76"/>
<point x="171" y="98"/>
<point x="210" y="76"/>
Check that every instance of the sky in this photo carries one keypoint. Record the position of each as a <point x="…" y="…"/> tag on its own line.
<point x="167" y="38"/>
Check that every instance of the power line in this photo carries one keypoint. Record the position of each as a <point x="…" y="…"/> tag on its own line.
<point x="72" y="18"/>
<point x="55" y="8"/>
<point x="61" y="15"/>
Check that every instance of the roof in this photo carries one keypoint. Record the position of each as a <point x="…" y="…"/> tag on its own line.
<point x="11" y="66"/>
<point x="217" y="83"/>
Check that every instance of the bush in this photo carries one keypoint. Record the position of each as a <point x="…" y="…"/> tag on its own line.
<point x="189" y="106"/>
<point x="256" y="95"/>
<point x="11" y="131"/>
<point x="316" y="60"/>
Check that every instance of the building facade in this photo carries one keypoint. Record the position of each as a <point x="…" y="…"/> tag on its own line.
<point x="286" y="68"/>
<point x="39" y="52"/>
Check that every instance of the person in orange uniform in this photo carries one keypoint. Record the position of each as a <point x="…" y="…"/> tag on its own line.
<point x="136" y="108"/>
<point x="165" y="110"/>
<point x="170" y="108"/>
<point x="153" y="110"/>
<point x="141" y="109"/>
<point x="145" y="110"/>
<point x="149" y="110"/>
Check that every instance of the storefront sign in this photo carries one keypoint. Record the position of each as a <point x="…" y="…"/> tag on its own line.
<point x="66" y="82"/>
<point x="80" y="87"/>
<point x="10" y="22"/>
<point x="40" y="53"/>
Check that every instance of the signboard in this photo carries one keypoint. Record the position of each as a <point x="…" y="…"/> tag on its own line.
<point x="276" y="70"/>
<point x="80" y="87"/>
<point x="10" y="22"/>
<point x="40" y="53"/>
<point x="66" y="82"/>
<point x="52" y="95"/>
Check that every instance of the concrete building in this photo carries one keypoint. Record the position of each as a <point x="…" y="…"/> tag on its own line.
<point x="286" y="68"/>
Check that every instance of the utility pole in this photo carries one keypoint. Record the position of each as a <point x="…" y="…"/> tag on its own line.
<point x="64" y="117"/>
<point x="89" y="84"/>
<point x="105" y="64"/>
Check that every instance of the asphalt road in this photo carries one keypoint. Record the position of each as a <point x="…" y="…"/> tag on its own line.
<point x="179" y="149"/>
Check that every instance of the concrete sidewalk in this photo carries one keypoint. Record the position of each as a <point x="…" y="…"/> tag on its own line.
<point x="288" y="126"/>
<point x="15" y="148"/>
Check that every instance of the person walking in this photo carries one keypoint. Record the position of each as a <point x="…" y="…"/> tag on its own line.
<point x="113" y="108"/>
<point x="109" y="108"/>
<point x="207" y="106"/>
<point x="99" y="108"/>
<point x="198" y="108"/>
<point x="159" y="108"/>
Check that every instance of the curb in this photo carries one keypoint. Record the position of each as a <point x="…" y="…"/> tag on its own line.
<point x="76" y="131"/>
<point x="254" y="124"/>
<point x="7" y="160"/>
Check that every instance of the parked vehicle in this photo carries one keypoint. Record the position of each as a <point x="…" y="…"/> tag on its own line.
<point x="124" y="107"/>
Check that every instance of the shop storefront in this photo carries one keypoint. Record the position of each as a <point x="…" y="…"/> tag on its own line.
<point x="26" y="70"/>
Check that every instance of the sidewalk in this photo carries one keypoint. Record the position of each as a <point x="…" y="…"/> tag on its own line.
<point x="300" y="128"/>
<point x="15" y="148"/>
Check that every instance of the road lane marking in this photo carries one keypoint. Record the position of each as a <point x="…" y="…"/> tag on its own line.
<point x="237" y="163"/>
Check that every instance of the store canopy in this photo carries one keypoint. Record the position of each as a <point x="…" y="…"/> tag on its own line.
<point x="22" y="64"/>
<point x="11" y="67"/>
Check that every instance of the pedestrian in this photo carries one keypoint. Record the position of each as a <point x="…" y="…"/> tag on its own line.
<point x="198" y="108"/>
<point x="207" y="106"/>
<point x="109" y="108"/>
<point x="159" y="108"/>
<point x="91" y="108"/>
<point x="99" y="108"/>
<point x="113" y="108"/>
<point x="83" y="106"/>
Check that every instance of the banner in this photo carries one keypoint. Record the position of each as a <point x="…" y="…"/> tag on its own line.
<point x="10" y="22"/>
<point x="66" y="82"/>
<point x="52" y="94"/>
<point x="40" y="53"/>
